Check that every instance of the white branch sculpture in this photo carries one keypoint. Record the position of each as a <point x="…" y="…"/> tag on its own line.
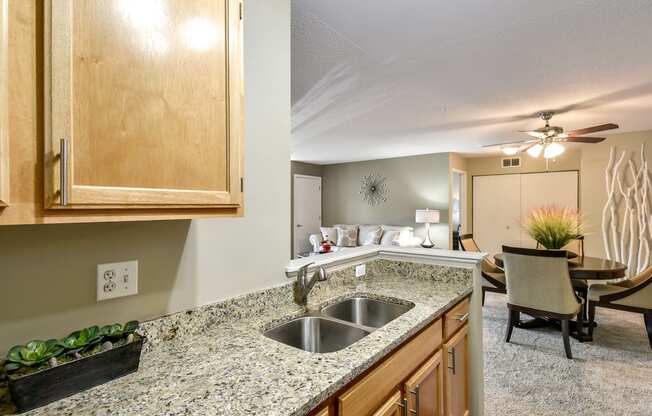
<point x="627" y="231"/>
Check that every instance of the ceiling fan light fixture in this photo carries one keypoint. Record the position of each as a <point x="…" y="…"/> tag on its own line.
<point x="510" y="150"/>
<point x="535" y="150"/>
<point x="553" y="150"/>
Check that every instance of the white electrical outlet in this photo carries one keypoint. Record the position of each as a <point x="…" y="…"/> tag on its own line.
<point x="360" y="270"/>
<point x="115" y="280"/>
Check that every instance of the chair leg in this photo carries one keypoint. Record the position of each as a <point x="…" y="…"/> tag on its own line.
<point x="513" y="318"/>
<point x="647" y="316"/>
<point x="591" y="318"/>
<point x="565" y="328"/>
<point x="484" y="292"/>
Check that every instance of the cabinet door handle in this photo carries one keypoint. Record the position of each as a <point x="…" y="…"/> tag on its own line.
<point x="462" y="317"/>
<point x="403" y="405"/>
<point x="451" y="352"/>
<point x="63" y="171"/>
<point x="416" y="399"/>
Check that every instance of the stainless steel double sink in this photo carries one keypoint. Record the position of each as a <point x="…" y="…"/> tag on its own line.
<point x="337" y="326"/>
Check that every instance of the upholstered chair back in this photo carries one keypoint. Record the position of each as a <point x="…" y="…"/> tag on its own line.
<point x="539" y="279"/>
<point x="639" y="292"/>
<point x="467" y="243"/>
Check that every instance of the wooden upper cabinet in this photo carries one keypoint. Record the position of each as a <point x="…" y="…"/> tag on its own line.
<point x="144" y="104"/>
<point x="425" y="389"/>
<point x="4" y="103"/>
<point x="456" y="380"/>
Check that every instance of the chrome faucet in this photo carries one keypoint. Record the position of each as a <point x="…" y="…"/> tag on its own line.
<point x="304" y="284"/>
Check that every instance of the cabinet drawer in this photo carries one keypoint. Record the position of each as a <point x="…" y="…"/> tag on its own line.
<point x="366" y="396"/>
<point x="456" y="318"/>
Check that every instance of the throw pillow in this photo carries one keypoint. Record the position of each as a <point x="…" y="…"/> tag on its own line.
<point x="389" y="237"/>
<point x="329" y="234"/>
<point x="369" y="234"/>
<point x="347" y="237"/>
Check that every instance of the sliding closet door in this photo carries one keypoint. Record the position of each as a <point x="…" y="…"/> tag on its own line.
<point x="550" y="188"/>
<point x="496" y="211"/>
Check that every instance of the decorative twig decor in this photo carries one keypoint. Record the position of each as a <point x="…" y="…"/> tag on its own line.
<point x="626" y="216"/>
<point x="374" y="189"/>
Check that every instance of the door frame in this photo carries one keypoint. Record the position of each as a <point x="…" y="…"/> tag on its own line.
<point x="295" y="250"/>
<point x="464" y="198"/>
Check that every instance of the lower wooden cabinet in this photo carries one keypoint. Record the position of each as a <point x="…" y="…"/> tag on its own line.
<point x="426" y="376"/>
<point x="425" y="389"/>
<point x="393" y="406"/>
<point x="456" y="380"/>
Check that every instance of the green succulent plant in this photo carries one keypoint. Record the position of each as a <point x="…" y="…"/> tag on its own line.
<point x="33" y="353"/>
<point x="79" y="340"/>
<point x="118" y="331"/>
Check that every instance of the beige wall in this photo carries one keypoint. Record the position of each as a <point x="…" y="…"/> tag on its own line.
<point x="594" y="195"/>
<point x="47" y="273"/>
<point x="476" y="166"/>
<point x="299" y="168"/>
<point x="414" y="182"/>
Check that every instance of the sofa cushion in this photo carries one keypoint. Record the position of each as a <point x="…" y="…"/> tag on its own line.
<point x="390" y="238"/>
<point x="347" y="237"/>
<point x="369" y="235"/>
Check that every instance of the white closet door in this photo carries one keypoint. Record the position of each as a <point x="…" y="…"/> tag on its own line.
<point x="496" y="211"/>
<point x="550" y="188"/>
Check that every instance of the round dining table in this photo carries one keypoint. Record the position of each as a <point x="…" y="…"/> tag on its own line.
<point x="586" y="268"/>
<point x="579" y="268"/>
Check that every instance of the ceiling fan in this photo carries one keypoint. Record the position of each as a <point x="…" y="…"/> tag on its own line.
<point x="548" y="139"/>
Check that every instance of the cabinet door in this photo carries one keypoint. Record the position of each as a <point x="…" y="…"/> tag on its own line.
<point x="424" y="390"/>
<point x="456" y="387"/>
<point x="144" y="104"/>
<point x="392" y="407"/>
<point x="4" y="103"/>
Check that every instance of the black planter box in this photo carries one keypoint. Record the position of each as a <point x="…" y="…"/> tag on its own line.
<point x="52" y="384"/>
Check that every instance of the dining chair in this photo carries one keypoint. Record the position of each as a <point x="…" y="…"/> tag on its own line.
<point x="631" y="295"/>
<point x="539" y="284"/>
<point x="493" y="277"/>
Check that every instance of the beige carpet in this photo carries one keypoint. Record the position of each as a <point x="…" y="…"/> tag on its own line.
<point x="532" y="377"/>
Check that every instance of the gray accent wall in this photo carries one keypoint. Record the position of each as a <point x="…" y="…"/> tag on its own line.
<point x="414" y="182"/>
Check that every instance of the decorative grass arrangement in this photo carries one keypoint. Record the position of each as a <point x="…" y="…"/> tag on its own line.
<point x="553" y="227"/>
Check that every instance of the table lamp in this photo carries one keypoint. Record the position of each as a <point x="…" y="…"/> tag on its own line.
<point x="427" y="216"/>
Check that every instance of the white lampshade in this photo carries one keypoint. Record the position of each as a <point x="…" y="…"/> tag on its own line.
<point x="553" y="150"/>
<point x="535" y="150"/>
<point x="427" y="216"/>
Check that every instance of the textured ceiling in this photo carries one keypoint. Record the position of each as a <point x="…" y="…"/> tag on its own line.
<point x="385" y="78"/>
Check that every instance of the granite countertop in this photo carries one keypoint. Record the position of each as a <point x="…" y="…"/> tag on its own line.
<point x="217" y="362"/>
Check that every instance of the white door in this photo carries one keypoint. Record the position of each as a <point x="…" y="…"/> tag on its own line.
<point x="550" y="188"/>
<point x="496" y="211"/>
<point x="307" y="210"/>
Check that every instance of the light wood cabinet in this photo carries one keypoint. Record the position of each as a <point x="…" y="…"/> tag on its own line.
<point x="323" y="412"/>
<point x="4" y="103"/>
<point x="143" y="104"/>
<point x="456" y="380"/>
<point x="424" y="389"/>
<point x="393" y="406"/>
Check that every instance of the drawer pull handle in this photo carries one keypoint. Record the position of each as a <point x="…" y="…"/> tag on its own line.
<point x="403" y="405"/>
<point x="416" y="399"/>
<point x="462" y="317"/>
<point x="451" y="353"/>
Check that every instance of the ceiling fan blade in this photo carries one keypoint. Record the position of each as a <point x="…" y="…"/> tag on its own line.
<point x="519" y="143"/>
<point x="602" y="127"/>
<point x="526" y="148"/>
<point x="584" y="139"/>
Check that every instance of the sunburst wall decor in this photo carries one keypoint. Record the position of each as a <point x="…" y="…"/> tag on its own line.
<point x="374" y="189"/>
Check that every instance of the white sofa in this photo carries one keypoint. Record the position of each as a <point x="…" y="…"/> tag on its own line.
<point x="394" y="235"/>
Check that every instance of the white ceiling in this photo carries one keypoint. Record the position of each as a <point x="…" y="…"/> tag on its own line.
<point x="385" y="78"/>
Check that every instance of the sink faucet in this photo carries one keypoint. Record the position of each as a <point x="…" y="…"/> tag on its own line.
<point x="304" y="284"/>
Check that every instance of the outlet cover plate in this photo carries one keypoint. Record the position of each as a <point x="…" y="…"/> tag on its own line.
<point x="115" y="280"/>
<point x="360" y="270"/>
